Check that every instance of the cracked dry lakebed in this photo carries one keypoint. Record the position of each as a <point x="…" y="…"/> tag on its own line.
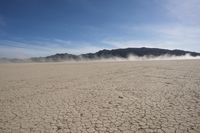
<point x="99" y="97"/>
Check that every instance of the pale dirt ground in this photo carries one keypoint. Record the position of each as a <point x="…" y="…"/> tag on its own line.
<point x="137" y="96"/>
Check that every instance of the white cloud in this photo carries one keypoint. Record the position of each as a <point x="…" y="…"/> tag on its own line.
<point x="168" y="35"/>
<point x="183" y="32"/>
<point x="187" y="37"/>
<point x="127" y="43"/>
<point x="171" y="36"/>
<point x="20" y="49"/>
<point x="180" y="31"/>
<point x="139" y="43"/>
<point x="186" y="11"/>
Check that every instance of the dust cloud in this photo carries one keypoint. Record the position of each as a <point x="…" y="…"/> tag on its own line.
<point x="146" y="58"/>
<point x="104" y="59"/>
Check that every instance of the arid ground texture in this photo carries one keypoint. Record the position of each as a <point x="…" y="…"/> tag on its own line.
<point x="98" y="97"/>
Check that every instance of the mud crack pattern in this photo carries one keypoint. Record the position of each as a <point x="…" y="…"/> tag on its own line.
<point x="99" y="97"/>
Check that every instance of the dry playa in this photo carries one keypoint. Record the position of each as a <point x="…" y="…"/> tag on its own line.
<point x="99" y="97"/>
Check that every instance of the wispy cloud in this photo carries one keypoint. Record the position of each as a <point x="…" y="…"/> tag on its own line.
<point x="182" y="32"/>
<point x="25" y="49"/>
<point x="139" y="43"/>
<point x="185" y="30"/>
<point x="171" y="36"/>
<point x="186" y="11"/>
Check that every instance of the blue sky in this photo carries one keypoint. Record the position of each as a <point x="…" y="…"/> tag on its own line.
<point x="43" y="27"/>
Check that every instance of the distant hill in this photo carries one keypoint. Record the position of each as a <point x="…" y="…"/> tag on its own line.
<point x="121" y="53"/>
<point x="124" y="53"/>
<point x="13" y="60"/>
<point x="56" y="57"/>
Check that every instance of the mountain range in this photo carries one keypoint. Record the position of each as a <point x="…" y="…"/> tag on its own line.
<point x="116" y="53"/>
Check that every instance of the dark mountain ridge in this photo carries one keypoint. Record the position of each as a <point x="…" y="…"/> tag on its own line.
<point x="118" y="53"/>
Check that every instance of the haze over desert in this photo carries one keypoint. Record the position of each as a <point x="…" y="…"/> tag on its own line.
<point x="97" y="97"/>
<point x="99" y="66"/>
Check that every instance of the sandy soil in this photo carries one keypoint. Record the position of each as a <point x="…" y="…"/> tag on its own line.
<point x="89" y="97"/>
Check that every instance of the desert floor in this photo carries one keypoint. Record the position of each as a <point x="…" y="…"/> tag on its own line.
<point x="128" y="96"/>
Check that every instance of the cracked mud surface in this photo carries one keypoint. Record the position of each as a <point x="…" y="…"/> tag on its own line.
<point x="98" y="97"/>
